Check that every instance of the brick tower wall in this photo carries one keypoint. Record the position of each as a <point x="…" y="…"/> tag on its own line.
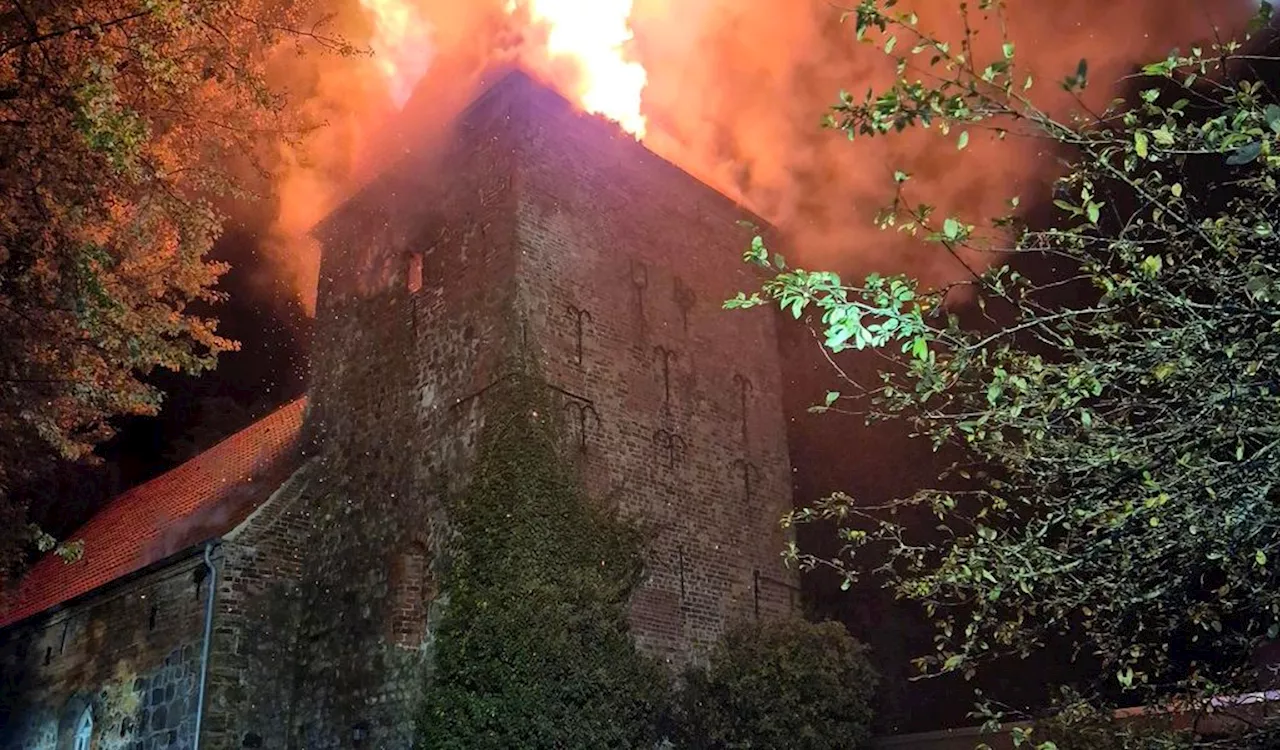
<point x="530" y="224"/>
<point x="625" y="262"/>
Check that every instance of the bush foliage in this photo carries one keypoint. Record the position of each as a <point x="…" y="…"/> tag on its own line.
<point x="788" y="684"/>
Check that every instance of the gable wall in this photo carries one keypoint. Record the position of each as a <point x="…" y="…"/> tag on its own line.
<point x="253" y="670"/>
<point x="140" y="681"/>
<point x="396" y="378"/>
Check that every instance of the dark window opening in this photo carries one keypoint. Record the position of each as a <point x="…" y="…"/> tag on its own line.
<point x="414" y="275"/>
<point x="198" y="576"/>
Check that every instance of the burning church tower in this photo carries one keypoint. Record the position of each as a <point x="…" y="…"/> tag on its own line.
<point x="543" y="232"/>
<point x="313" y="541"/>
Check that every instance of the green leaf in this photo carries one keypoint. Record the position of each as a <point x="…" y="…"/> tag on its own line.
<point x="832" y="397"/>
<point x="1095" y="212"/>
<point x="1007" y="48"/>
<point x="1152" y="265"/>
<point x="920" y="348"/>
<point x="1245" y="154"/>
<point x="837" y="336"/>
<point x="1140" y="143"/>
<point x="1260" y="558"/>
<point x="889" y="44"/>
<point x="1272" y="115"/>
<point x="962" y="141"/>
<point x="1163" y="136"/>
<point x="951" y="229"/>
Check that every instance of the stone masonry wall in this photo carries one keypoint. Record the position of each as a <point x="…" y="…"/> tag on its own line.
<point x="397" y="384"/>
<point x="253" y="663"/>
<point x="625" y="263"/>
<point x="131" y="653"/>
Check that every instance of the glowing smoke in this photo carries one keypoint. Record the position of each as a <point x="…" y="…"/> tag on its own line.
<point x="733" y="91"/>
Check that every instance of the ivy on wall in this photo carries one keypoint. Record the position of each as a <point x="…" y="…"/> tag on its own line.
<point x="533" y="650"/>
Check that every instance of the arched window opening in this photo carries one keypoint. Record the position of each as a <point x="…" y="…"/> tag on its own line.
<point x="84" y="730"/>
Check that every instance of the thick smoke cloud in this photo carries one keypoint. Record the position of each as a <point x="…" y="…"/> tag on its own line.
<point x="367" y="113"/>
<point x="736" y="91"/>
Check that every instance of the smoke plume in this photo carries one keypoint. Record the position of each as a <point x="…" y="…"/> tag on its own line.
<point x="736" y="91"/>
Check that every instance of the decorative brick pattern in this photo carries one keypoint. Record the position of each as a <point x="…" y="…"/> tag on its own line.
<point x="688" y="394"/>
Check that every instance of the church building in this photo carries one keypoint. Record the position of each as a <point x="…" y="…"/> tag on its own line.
<point x="279" y="590"/>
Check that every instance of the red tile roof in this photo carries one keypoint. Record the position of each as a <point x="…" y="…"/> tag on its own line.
<point x="197" y="501"/>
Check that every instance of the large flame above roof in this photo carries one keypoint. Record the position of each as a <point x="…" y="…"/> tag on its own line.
<point x="593" y="35"/>
<point x="580" y="46"/>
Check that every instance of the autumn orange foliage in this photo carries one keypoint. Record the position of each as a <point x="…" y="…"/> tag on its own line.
<point x="123" y="125"/>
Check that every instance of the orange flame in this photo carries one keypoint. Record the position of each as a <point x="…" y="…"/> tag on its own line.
<point x="593" y="34"/>
<point x="401" y="43"/>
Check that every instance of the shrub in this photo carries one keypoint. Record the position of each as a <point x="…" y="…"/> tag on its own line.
<point x="789" y="684"/>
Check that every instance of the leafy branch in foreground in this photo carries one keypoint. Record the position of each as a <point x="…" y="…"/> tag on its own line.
<point x="1120" y="415"/>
